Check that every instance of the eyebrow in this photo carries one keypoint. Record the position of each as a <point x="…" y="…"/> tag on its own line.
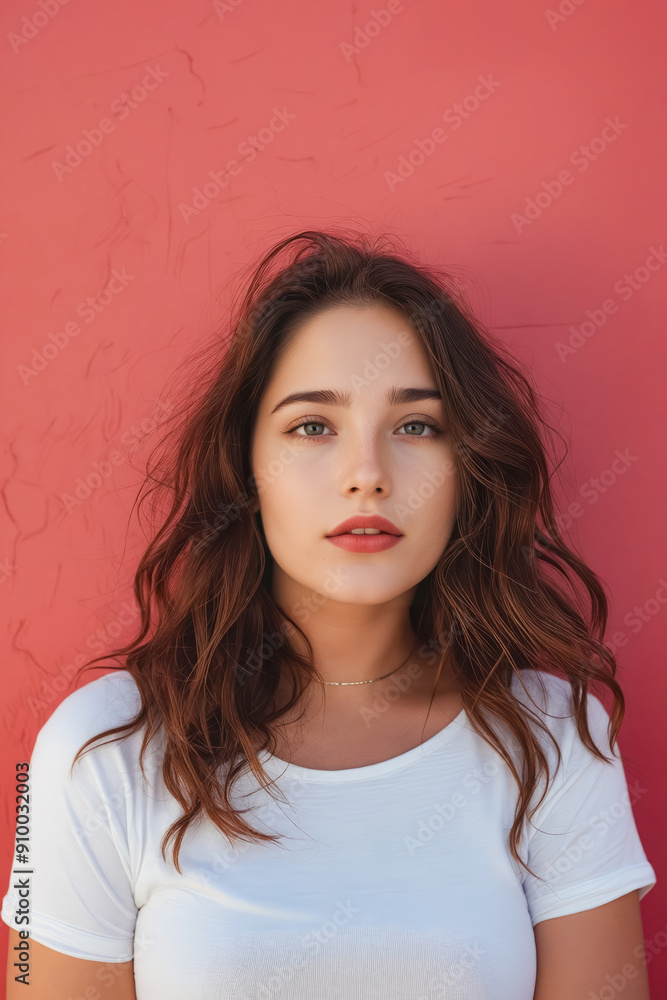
<point x="395" y="396"/>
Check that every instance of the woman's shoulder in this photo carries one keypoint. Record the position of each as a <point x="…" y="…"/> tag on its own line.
<point x="542" y="691"/>
<point x="104" y="703"/>
<point x="548" y="697"/>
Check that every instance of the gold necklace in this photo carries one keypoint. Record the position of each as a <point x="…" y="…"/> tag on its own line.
<point x="373" y="679"/>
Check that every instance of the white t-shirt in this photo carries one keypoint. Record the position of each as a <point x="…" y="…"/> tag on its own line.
<point x="391" y="880"/>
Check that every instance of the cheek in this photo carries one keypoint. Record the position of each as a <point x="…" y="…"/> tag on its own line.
<point x="300" y="478"/>
<point x="291" y="494"/>
<point x="432" y="484"/>
<point x="277" y="472"/>
<point x="274" y="456"/>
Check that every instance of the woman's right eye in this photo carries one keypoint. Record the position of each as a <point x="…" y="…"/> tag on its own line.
<point x="308" y="423"/>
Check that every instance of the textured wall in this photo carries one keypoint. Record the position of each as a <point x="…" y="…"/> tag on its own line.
<point x="152" y="149"/>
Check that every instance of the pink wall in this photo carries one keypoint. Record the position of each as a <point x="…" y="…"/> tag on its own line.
<point x="564" y="109"/>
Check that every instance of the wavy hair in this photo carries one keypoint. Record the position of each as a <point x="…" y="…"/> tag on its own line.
<point x="212" y="643"/>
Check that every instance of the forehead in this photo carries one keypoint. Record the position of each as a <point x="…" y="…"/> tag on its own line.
<point x="348" y="340"/>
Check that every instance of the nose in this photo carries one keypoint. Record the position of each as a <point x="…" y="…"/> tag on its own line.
<point x="364" y="468"/>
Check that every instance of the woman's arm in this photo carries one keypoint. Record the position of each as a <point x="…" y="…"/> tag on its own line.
<point x="582" y="954"/>
<point x="54" y="976"/>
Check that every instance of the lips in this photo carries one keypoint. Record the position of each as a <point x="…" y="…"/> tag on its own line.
<point x="373" y="521"/>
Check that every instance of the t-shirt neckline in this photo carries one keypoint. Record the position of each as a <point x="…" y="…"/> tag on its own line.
<point x="276" y="767"/>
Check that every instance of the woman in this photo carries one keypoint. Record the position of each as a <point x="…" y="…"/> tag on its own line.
<point x="354" y="751"/>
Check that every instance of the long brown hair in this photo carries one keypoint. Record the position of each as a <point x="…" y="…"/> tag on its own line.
<point x="212" y="642"/>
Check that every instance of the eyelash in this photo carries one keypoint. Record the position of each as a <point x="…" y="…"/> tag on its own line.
<point x="316" y="437"/>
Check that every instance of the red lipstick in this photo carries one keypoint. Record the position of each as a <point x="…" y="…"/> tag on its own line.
<point x="388" y="535"/>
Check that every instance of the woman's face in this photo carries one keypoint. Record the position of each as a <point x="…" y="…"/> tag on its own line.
<point x="364" y="455"/>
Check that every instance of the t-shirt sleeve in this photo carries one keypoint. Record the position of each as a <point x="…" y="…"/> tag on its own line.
<point x="586" y="847"/>
<point x="76" y="887"/>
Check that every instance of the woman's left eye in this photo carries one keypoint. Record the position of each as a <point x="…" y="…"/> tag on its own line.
<point x="420" y="423"/>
